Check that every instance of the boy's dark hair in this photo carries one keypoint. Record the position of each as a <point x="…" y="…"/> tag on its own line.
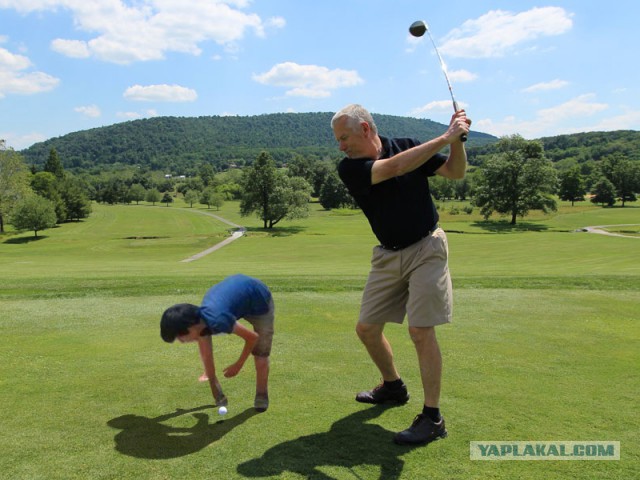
<point x="176" y="321"/>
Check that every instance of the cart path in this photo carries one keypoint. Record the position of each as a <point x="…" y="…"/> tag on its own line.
<point x="599" y="229"/>
<point x="238" y="232"/>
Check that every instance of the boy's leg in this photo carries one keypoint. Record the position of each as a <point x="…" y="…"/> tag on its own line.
<point x="261" y="402"/>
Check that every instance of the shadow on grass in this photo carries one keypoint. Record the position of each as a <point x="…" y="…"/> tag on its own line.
<point x="275" y="231"/>
<point x="349" y="443"/>
<point x="144" y="437"/>
<point x="23" y="240"/>
<point x="506" y="227"/>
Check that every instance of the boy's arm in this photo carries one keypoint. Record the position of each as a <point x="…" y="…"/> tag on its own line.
<point x="206" y="355"/>
<point x="250" y="338"/>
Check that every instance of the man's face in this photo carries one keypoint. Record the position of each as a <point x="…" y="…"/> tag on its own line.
<point x="354" y="142"/>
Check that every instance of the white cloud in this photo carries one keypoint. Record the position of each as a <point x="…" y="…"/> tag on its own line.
<point x="92" y="111"/>
<point x="125" y="32"/>
<point x="499" y="32"/>
<point x="568" y="117"/>
<point x="461" y="76"/>
<point x="135" y="115"/>
<point x="438" y="106"/>
<point x="160" y="93"/>
<point x="308" y="80"/>
<point x="21" y="141"/>
<point x="552" y="85"/>
<point x="14" y="79"/>
<point x="71" y="48"/>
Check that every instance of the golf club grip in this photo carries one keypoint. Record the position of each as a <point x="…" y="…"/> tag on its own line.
<point x="463" y="137"/>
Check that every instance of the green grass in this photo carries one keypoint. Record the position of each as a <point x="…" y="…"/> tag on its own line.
<point x="543" y="347"/>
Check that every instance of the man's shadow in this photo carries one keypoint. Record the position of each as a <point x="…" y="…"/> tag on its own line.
<point x="349" y="443"/>
<point x="144" y="437"/>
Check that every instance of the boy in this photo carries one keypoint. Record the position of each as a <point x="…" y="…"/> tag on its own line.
<point x="236" y="297"/>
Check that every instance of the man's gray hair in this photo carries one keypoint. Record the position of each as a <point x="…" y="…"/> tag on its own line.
<point x="356" y="114"/>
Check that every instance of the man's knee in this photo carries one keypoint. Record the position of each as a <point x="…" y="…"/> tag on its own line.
<point x="423" y="335"/>
<point x="368" y="332"/>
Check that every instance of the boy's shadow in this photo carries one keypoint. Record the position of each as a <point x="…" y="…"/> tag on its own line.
<point x="144" y="437"/>
<point x="349" y="443"/>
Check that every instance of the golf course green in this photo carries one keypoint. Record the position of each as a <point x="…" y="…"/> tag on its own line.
<point x="543" y="347"/>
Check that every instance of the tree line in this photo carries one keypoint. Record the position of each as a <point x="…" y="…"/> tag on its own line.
<point x="516" y="178"/>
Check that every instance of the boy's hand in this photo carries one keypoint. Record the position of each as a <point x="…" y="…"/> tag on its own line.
<point x="232" y="370"/>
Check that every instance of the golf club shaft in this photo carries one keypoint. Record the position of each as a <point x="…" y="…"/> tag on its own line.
<point x="463" y="137"/>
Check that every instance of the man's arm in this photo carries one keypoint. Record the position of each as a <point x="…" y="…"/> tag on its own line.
<point x="250" y="338"/>
<point x="413" y="158"/>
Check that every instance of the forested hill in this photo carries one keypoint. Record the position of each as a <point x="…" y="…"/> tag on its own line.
<point x="177" y="143"/>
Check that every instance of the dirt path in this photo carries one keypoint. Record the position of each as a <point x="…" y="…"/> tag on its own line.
<point x="599" y="229"/>
<point x="239" y="232"/>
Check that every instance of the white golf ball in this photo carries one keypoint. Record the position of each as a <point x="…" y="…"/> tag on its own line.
<point x="222" y="411"/>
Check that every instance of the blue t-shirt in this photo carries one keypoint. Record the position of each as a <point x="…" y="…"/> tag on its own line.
<point x="235" y="297"/>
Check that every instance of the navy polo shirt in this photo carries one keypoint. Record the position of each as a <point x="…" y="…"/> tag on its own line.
<point x="400" y="210"/>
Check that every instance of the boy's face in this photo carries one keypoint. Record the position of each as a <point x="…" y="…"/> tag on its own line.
<point x="192" y="335"/>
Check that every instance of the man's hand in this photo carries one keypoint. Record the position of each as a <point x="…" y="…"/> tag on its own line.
<point x="458" y="126"/>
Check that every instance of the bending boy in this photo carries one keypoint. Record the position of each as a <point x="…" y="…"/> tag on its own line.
<point x="236" y="297"/>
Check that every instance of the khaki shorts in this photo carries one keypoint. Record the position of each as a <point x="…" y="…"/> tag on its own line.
<point x="263" y="326"/>
<point x="413" y="281"/>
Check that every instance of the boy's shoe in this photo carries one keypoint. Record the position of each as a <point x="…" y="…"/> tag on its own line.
<point x="261" y="402"/>
<point x="422" y="431"/>
<point x="384" y="394"/>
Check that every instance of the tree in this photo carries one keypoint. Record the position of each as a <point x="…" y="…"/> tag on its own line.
<point x="167" y="198"/>
<point x="34" y="213"/>
<point x="54" y="165"/>
<point x="572" y="185"/>
<point x="76" y="201"/>
<point x="604" y="192"/>
<point x="272" y="195"/>
<point x="137" y="193"/>
<point x="14" y="182"/>
<point x="153" y="196"/>
<point x="191" y="197"/>
<point x="334" y="194"/>
<point x="516" y="179"/>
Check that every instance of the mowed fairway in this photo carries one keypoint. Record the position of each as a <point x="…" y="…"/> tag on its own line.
<point x="544" y="346"/>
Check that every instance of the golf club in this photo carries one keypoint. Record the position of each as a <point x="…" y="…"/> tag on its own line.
<point x="418" y="29"/>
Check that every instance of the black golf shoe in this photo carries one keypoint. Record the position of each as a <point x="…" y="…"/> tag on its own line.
<point x="384" y="394"/>
<point x="422" y="431"/>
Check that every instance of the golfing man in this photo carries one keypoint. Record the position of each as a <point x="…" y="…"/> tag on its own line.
<point x="236" y="297"/>
<point x="409" y="269"/>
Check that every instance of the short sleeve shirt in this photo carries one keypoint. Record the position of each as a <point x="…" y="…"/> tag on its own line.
<point x="233" y="298"/>
<point x="400" y="210"/>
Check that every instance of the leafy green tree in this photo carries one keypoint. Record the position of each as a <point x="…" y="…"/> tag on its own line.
<point x="76" y="200"/>
<point x="33" y="213"/>
<point x="604" y="192"/>
<point x="137" y="193"/>
<point x="14" y="182"/>
<point x="572" y="186"/>
<point x="167" y="198"/>
<point x="153" y="196"/>
<point x="516" y="179"/>
<point x="272" y="195"/>
<point x="334" y="194"/>
<point x="47" y="185"/>
<point x="54" y="165"/>
<point x="191" y="197"/>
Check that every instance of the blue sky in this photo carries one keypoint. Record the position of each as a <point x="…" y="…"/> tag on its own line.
<point x="536" y="69"/>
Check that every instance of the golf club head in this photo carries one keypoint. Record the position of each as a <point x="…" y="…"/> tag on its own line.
<point x="418" y="28"/>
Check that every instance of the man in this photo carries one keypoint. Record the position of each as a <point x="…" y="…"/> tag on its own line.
<point x="236" y="297"/>
<point x="409" y="269"/>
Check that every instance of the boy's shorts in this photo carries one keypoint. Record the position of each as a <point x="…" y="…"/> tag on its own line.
<point x="414" y="281"/>
<point x="263" y="326"/>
